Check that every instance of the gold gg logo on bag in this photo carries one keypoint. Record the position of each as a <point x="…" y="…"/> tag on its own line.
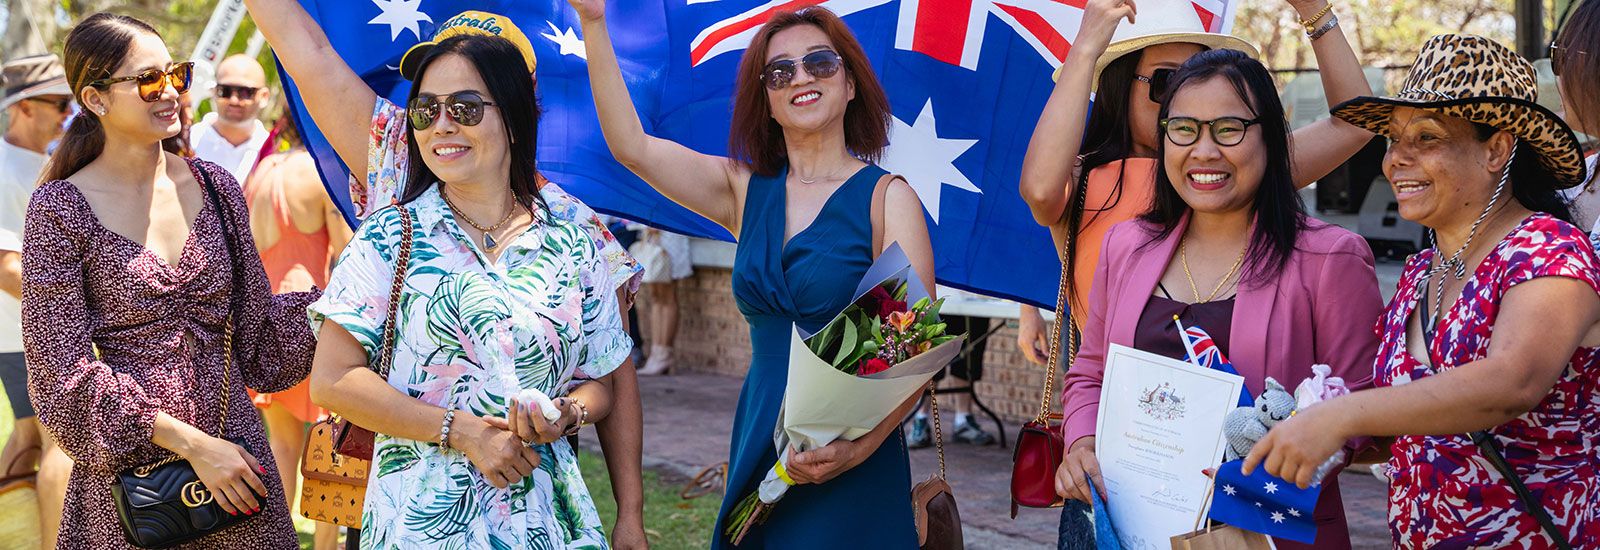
<point x="195" y="495"/>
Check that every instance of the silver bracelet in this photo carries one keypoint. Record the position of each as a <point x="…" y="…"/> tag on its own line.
<point x="1333" y="21"/>
<point x="444" y="430"/>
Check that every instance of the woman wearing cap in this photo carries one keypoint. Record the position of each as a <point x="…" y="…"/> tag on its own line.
<point x="1575" y="60"/>
<point x="1493" y="332"/>
<point x="506" y="290"/>
<point x="146" y="310"/>
<point x="810" y="213"/>
<point x="1288" y="292"/>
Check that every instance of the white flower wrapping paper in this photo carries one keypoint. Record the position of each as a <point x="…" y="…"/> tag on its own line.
<point x="822" y="404"/>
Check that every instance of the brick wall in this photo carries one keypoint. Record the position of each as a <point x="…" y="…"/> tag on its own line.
<point x="713" y="338"/>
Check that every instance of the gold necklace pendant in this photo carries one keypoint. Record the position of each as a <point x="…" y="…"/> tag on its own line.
<point x="489" y="242"/>
<point x="1183" y="257"/>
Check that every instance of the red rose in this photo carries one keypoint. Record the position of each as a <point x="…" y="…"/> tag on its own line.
<point x="872" y="366"/>
<point x="890" y="306"/>
<point x="873" y="300"/>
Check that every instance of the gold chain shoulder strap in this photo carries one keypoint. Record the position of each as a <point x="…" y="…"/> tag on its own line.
<point x="938" y="431"/>
<point x="227" y="327"/>
<point x="402" y="260"/>
<point x="1063" y="315"/>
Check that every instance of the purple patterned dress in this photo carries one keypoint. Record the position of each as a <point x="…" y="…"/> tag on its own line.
<point x="1443" y="493"/>
<point x="158" y="332"/>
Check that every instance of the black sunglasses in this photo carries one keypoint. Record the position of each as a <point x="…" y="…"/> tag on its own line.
<point x="230" y="91"/>
<point x="152" y="81"/>
<point x="819" y="64"/>
<point x="1558" y="56"/>
<point x="466" y="108"/>
<point x="1226" y="131"/>
<point x="61" y="104"/>
<point x="1158" y="81"/>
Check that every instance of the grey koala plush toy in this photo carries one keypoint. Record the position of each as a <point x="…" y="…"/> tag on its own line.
<point x="1245" y="426"/>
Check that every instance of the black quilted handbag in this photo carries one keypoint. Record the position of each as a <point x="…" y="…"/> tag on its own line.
<point x="164" y="504"/>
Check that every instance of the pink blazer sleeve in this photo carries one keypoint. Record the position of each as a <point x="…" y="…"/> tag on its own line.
<point x="1080" y="393"/>
<point x="1346" y="311"/>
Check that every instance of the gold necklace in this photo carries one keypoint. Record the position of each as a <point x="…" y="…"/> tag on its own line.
<point x="1183" y="257"/>
<point x="489" y="243"/>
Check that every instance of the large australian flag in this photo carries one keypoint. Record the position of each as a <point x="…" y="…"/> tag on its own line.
<point x="967" y="80"/>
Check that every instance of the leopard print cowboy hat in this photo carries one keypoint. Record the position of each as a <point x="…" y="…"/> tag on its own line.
<point x="1478" y="79"/>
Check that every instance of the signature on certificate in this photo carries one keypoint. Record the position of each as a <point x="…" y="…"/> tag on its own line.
<point x="1171" y="495"/>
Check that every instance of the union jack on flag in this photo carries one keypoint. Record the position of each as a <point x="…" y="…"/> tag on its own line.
<point x="1204" y="352"/>
<point x="966" y="81"/>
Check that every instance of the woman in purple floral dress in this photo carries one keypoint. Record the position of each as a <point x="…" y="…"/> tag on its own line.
<point x="129" y="281"/>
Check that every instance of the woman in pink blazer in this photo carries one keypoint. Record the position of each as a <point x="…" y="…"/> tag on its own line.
<point x="1226" y="246"/>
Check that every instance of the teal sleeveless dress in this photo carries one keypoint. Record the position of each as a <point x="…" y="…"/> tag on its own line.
<point x="807" y="282"/>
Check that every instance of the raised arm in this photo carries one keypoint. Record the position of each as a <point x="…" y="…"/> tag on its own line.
<point x="1050" y="164"/>
<point x="706" y="184"/>
<point x="1324" y="145"/>
<point x="339" y="102"/>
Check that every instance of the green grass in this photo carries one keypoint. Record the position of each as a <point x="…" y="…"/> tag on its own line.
<point x="670" y="522"/>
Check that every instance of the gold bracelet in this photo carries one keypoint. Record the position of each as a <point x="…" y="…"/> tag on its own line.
<point x="1311" y="24"/>
<point x="583" y="417"/>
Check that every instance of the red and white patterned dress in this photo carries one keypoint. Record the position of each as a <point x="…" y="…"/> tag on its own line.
<point x="1444" y="493"/>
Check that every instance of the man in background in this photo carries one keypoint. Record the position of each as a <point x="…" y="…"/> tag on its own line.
<point x="232" y="135"/>
<point x="36" y="101"/>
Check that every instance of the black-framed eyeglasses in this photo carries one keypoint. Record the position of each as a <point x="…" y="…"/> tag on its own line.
<point x="231" y="91"/>
<point x="152" y="81"/>
<point x="1226" y="131"/>
<point x="819" y="64"/>
<point x="466" y="108"/>
<point x="1558" y="56"/>
<point x="1158" y="81"/>
<point x="60" y="103"/>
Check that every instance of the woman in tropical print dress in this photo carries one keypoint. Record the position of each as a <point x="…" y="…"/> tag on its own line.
<point x="499" y="296"/>
<point x="1495" y="331"/>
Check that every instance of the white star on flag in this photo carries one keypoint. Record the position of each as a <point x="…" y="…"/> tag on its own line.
<point x="926" y="160"/>
<point x="568" y="41"/>
<point x="1258" y="505"/>
<point x="1229" y="489"/>
<point x="1272" y="488"/>
<point x="400" y="15"/>
<point x="1277" y="517"/>
<point x="1294" y="512"/>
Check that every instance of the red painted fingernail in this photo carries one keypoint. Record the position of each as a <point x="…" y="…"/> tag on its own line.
<point x="262" y="469"/>
<point x="233" y="513"/>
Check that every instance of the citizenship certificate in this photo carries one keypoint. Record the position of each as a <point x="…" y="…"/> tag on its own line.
<point x="1159" y="424"/>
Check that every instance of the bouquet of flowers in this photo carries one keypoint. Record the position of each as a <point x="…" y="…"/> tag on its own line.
<point x="846" y="378"/>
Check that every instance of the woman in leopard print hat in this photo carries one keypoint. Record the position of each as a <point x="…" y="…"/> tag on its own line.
<point x="1487" y="364"/>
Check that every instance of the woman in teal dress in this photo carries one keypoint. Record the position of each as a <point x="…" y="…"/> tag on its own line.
<point x="810" y="213"/>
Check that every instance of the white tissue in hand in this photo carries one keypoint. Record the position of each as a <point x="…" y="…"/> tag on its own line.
<point x="532" y="398"/>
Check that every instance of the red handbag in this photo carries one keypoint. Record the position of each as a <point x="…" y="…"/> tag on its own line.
<point x="1040" y="444"/>
<point x="349" y="439"/>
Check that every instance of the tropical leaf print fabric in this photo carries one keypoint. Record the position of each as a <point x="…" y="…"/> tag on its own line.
<point x="470" y="336"/>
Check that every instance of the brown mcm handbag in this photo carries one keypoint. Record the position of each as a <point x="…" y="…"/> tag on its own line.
<point x="338" y="454"/>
